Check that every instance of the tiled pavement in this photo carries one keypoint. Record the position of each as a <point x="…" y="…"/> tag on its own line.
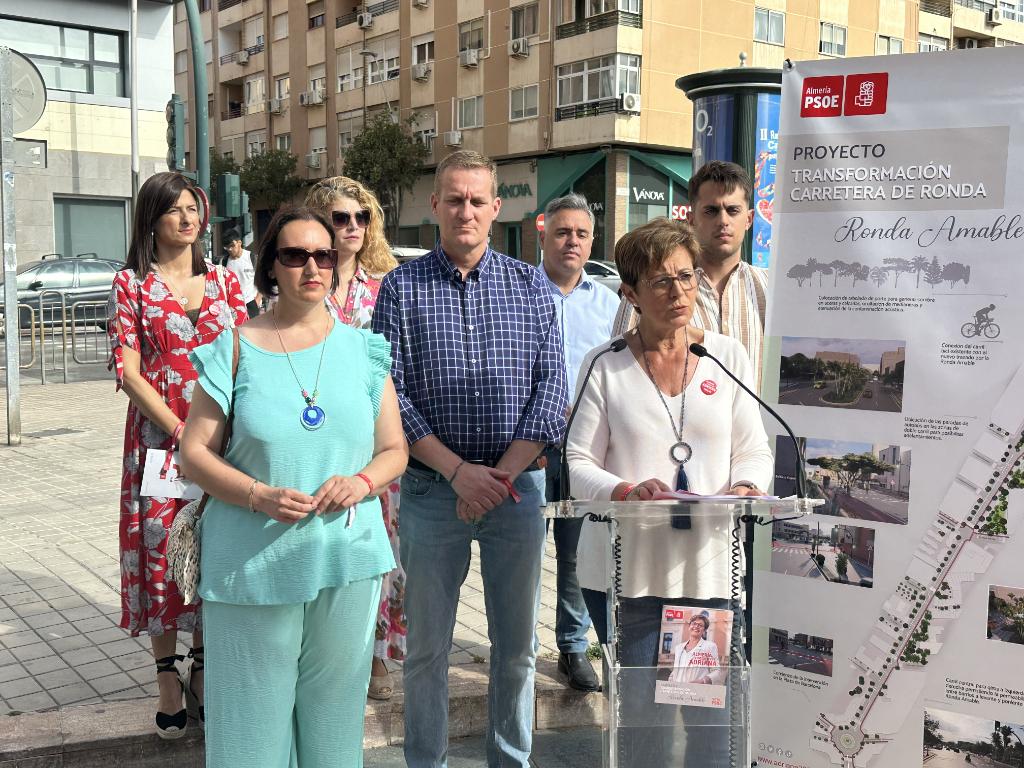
<point x="59" y="580"/>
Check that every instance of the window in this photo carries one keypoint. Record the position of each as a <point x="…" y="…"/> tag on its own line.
<point x="769" y="26"/>
<point x="471" y="112"/>
<point x="931" y="43"/>
<point x="204" y="5"/>
<point x="208" y="51"/>
<point x="84" y="225"/>
<point x="425" y="129"/>
<point x="318" y="139"/>
<point x="255" y="143"/>
<point x="832" y="39"/>
<point x="471" y="35"/>
<point x="280" y="26"/>
<point x="180" y="62"/>
<point x="595" y="79"/>
<point x="318" y="77"/>
<point x="885" y="45"/>
<point x="522" y="102"/>
<point x="423" y="49"/>
<point x="384" y="63"/>
<point x="524" y="21"/>
<point x="596" y="7"/>
<point x="350" y="125"/>
<point x="282" y="87"/>
<point x="350" y="68"/>
<point x="57" y="274"/>
<point x="255" y="94"/>
<point x="316" y="14"/>
<point x="95" y="274"/>
<point x="252" y="32"/>
<point x="566" y="11"/>
<point x="283" y="141"/>
<point x="69" y="59"/>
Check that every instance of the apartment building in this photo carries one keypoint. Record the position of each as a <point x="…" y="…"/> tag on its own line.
<point x="79" y="201"/>
<point x="565" y="94"/>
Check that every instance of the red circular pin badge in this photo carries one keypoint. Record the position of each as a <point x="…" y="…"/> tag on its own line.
<point x="708" y="387"/>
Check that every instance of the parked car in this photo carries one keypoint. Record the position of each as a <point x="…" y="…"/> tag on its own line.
<point x="406" y="253"/>
<point x="82" y="278"/>
<point x="604" y="272"/>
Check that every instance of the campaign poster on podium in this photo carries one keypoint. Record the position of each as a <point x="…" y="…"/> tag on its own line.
<point x="889" y="625"/>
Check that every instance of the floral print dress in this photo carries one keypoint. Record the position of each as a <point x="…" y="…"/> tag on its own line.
<point x="357" y="310"/>
<point x="145" y="316"/>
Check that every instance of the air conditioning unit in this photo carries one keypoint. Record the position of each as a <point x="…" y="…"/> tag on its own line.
<point x="313" y="159"/>
<point x="520" y="47"/>
<point x="453" y="138"/>
<point x="275" y="106"/>
<point x="470" y="57"/>
<point x="967" y="42"/>
<point x="311" y="98"/>
<point x="421" y="71"/>
<point x="364" y="20"/>
<point x="629" y="102"/>
<point x="243" y="56"/>
<point x="420" y="3"/>
<point x="996" y="16"/>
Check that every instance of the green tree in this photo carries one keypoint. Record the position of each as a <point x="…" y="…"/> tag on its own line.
<point x="387" y="158"/>
<point x="269" y="178"/>
<point x="852" y="467"/>
<point x="842" y="564"/>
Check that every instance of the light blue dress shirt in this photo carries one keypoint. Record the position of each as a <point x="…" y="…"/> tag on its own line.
<point x="585" y="319"/>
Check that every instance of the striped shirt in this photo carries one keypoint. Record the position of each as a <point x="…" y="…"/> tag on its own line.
<point x="738" y="312"/>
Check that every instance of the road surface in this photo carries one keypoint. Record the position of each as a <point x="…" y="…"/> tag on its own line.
<point x="802" y="659"/>
<point x="881" y="399"/>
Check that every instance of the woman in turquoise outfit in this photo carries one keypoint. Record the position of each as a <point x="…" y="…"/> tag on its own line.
<point x="293" y="542"/>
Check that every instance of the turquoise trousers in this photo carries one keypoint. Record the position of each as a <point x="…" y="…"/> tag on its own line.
<point x="286" y="684"/>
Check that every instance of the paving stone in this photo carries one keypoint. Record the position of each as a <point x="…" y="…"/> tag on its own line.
<point x="45" y="664"/>
<point x="107" y="635"/>
<point x="58" y="678"/>
<point x="74" y="642"/>
<point x="71" y="694"/>
<point x="19" y="687"/>
<point x="29" y="652"/>
<point x="97" y="669"/>
<point x="15" y="639"/>
<point x="12" y="672"/>
<point x="43" y="620"/>
<point x="112" y="683"/>
<point x="34" y="702"/>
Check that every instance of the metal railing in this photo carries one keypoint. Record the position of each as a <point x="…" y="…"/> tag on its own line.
<point x="377" y="9"/>
<point x="602" y="21"/>
<point x="590" y="109"/>
<point x="89" y="341"/>
<point x="252" y="50"/>
<point x="937" y="7"/>
<point x="225" y="4"/>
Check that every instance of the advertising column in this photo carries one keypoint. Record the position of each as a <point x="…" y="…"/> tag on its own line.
<point x="889" y="627"/>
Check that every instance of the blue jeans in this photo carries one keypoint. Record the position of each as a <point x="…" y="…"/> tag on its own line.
<point x="571" y="617"/>
<point x="435" y="549"/>
<point x="647" y="735"/>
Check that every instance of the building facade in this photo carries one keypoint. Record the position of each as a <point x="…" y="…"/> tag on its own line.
<point x="79" y="202"/>
<point x="567" y="95"/>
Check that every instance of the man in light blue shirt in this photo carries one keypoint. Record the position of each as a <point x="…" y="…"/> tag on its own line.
<point x="585" y="312"/>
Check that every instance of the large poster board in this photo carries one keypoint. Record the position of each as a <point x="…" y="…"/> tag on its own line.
<point x="889" y="629"/>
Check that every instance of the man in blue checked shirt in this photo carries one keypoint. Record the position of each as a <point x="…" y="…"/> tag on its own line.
<point x="586" y="311"/>
<point x="477" y="362"/>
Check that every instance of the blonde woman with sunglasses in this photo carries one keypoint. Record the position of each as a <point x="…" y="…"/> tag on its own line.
<point x="364" y="257"/>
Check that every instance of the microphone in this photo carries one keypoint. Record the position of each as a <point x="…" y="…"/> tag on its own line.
<point x="801" y="478"/>
<point x="563" y="477"/>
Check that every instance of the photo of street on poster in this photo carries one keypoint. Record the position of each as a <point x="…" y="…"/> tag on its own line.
<point x="693" y="656"/>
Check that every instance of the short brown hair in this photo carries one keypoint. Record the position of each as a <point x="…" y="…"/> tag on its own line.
<point x="267" y="251"/>
<point x="729" y="175"/>
<point x="646" y="248"/>
<point x="466" y="159"/>
<point x="375" y="256"/>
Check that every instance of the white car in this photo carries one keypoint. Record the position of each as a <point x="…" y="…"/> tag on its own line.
<point x="604" y="272"/>
<point x="403" y="254"/>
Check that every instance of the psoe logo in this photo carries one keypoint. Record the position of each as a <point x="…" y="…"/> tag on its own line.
<point x="822" y="96"/>
<point x="866" y="94"/>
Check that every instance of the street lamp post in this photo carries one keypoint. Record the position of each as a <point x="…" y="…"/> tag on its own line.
<point x="367" y="54"/>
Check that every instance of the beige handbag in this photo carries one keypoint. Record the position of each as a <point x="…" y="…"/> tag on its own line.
<point x="183" y="540"/>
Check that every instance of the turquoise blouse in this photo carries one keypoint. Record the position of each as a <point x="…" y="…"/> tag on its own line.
<point x="251" y="559"/>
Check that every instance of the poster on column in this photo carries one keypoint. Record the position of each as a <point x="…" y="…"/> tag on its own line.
<point x="889" y="625"/>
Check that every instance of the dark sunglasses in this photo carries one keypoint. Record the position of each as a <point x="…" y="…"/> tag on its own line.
<point x="342" y="218"/>
<point x="325" y="258"/>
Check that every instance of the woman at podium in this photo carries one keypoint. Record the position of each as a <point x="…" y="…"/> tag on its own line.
<point x="655" y="418"/>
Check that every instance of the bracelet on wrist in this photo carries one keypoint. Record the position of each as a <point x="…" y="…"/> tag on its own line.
<point x="625" y="492"/>
<point x="176" y="434"/>
<point x="456" y="471"/>
<point x="252" y="489"/>
<point x="366" y="480"/>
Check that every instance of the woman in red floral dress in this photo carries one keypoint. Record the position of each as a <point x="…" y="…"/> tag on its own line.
<point x="364" y="257"/>
<point x="167" y="302"/>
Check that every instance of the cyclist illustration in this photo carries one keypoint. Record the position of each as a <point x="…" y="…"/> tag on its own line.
<point x="983" y="324"/>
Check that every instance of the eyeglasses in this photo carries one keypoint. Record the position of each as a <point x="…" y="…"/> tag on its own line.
<point x="325" y="258"/>
<point x="663" y="285"/>
<point x="341" y="219"/>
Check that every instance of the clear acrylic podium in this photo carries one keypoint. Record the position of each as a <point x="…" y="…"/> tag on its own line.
<point x="676" y="673"/>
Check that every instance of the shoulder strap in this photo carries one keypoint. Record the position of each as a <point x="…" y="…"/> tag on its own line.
<point x="231" y="412"/>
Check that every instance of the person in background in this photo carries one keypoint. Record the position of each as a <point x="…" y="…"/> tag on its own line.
<point x="654" y="417"/>
<point x="478" y="366"/>
<point x="167" y="302"/>
<point x="364" y="257"/>
<point x="292" y="539"/>
<point x="239" y="261"/>
<point x="731" y="294"/>
<point x="586" y="311"/>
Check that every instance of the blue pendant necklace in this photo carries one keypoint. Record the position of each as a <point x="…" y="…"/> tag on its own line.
<point x="312" y="416"/>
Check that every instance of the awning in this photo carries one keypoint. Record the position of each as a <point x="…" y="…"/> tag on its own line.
<point x="677" y="167"/>
<point x="555" y="175"/>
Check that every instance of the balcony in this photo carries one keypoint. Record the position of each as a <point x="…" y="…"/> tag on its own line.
<point x="377" y="9"/>
<point x="223" y="5"/>
<point x="589" y="109"/>
<point x="252" y="50"/>
<point x="602" y="21"/>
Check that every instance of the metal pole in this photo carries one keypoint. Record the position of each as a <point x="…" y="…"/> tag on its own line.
<point x="12" y="335"/>
<point x="134" y="43"/>
<point x="202" y="142"/>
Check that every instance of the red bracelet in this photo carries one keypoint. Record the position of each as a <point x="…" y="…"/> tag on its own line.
<point x="366" y="480"/>
<point x="626" y="491"/>
<point x="176" y="434"/>
<point x="512" y="491"/>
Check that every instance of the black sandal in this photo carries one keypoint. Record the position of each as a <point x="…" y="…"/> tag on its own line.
<point x="170" y="727"/>
<point x="192" y="705"/>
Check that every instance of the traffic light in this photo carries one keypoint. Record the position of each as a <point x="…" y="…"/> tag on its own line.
<point x="175" y="113"/>
<point x="229" y="197"/>
<point x="246" y="216"/>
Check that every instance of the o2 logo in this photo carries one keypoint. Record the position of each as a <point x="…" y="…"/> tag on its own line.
<point x="772" y="749"/>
